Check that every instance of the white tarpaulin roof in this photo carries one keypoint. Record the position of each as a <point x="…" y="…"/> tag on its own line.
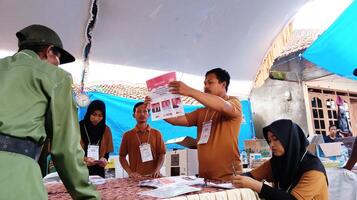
<point x="189" y="36"/>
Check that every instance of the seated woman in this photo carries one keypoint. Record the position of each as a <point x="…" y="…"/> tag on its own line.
<point x="96" y="138"/>
<point x="294" y="172"/>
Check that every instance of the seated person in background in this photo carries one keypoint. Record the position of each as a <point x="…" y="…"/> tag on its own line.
<point x="144" y="145"/>
<point x="333" y="134"/>
<point x="96" y="138"/>
<point x="353" y="159"/>
<point x="294" y="172"/>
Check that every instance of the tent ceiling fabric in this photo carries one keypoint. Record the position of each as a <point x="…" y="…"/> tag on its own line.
<point x="68" y="18"/>
<point x="186" y="36"/>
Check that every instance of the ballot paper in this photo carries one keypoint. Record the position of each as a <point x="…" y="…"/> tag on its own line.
<point x="170" y="191"/>
<point x="96" y="180"/>
<point x="164" y="104"/>
<point x="221" y="185"/>
<point x="172" y="181"/>
<point x="54" y="178"/>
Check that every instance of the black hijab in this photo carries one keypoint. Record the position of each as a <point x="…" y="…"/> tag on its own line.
<point x="95" y="132"/>
<point x="288" y="168"/>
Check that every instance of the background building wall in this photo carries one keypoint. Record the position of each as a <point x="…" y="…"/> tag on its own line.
<point x="278" y="100"/>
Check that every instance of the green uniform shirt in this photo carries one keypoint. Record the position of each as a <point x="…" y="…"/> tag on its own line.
<point x="36" y="102"/>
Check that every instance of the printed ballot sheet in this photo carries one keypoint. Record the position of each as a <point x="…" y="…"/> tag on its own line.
<point x="164" y="104"/>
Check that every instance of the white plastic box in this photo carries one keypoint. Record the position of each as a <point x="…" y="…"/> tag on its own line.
<point x="181" y="162"/>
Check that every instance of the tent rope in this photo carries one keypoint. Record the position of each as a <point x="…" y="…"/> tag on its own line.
<point x="88" y="40"/>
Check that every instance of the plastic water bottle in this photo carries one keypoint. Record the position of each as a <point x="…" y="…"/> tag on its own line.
<point x="244" y="159"/>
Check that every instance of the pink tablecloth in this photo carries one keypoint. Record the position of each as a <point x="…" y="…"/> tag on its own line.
<point x="124" y="188"/>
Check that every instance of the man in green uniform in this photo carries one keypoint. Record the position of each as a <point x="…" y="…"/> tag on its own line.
<point x="36" y="103"/>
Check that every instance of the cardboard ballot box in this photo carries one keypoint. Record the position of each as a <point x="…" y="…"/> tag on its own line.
<point x="329" y="150"/>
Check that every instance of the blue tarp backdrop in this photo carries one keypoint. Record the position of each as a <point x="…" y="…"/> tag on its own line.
<point x="120" y="119"/>
<point x="336" y="49"/>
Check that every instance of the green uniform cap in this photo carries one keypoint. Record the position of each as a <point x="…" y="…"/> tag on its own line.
<point x="42" y="35"/>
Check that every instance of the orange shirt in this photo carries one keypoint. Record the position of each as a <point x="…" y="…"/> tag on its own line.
<point x="130" y="146"/>
<point x="312" y="185"/>
<point x="221" y="151"/>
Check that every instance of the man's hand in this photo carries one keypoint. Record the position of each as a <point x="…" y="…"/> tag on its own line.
<point x="147" y="101"/>
<point x="156" y="174"/>
<point x="347" y="167"/>
<point x="246" y="182"/>
<point x="89" y="161"/>
<point x="135" y="175"/>
<point x="102" y="162"/>
<point x="178" y="87"/>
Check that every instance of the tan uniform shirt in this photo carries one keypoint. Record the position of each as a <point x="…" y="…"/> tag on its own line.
<point x="130" y="146"/>
<point x="217" y="155"/>
<point x="312" y="184"/>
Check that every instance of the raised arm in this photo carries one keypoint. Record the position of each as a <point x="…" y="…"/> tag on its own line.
<point x="211" y="101"/>
<point x="178" y="121"/>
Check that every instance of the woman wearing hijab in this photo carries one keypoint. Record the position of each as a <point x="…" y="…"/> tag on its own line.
<point x="96" y="138"/>
<point x="294" y="172"/>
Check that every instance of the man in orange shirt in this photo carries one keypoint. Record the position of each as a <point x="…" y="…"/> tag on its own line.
<point x="217" y="124"/>
<point x="144" y="145"/>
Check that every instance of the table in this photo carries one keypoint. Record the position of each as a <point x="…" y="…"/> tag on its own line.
<point x="342" y="185"/>
<point x="113" y="189"/>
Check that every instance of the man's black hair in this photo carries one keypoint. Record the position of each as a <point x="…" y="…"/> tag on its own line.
<point x="332" y="125"/>
<point x="137" y="105"/>
<point x="222" y="76"/>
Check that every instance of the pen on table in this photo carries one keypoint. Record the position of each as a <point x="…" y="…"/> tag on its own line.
<point x="234" y="170"/>
<point x="205" y="184"/>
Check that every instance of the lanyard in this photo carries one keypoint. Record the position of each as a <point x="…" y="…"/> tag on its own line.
<point x="88" y="136"/>
<point x="204" y="119"/>
<point x="139" y="138"/>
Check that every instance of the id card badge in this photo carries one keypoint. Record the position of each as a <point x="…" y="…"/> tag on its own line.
<point x="93" y="152"/>
<point x="206" y="132"/>
<point x="145" y="151"/>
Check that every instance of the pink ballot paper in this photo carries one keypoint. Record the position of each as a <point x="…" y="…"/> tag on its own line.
<point x="164" y="104"/>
